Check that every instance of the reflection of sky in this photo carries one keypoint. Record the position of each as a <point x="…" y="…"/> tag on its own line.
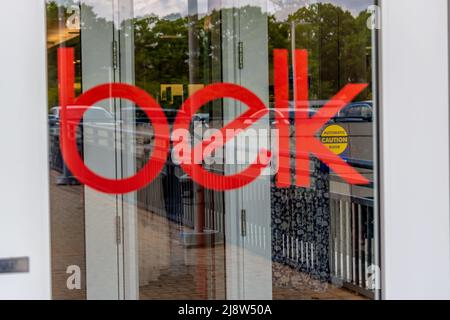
<point x="162" y="8"/>
<point x="283" y="8"/>
<point x="354" y="6"/>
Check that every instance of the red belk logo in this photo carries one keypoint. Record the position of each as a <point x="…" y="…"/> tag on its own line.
<point x="306" y="128"/>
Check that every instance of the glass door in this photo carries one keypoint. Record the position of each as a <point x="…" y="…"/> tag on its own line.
<point x="248" y="220"/>
<point x="305" y="226"/>
<point x="180" y="238"/>
<point x="217" y="244"/>
<point x="88" y="225"/>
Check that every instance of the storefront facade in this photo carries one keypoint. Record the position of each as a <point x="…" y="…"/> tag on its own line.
<point x="334" y="183"/>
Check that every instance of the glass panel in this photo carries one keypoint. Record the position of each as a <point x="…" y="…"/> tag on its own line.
<point x="66" y="194"/>
<point x="181" y="238"/>
<point x="301" y="224"/>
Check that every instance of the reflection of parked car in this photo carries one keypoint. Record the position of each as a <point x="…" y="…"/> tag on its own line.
<point x="140" y="116"/>
<point x="286" y="116"/>
<point x="92" y="115"/>
<point x="356" y="112"/>
<point x="170" y="114"/>
<point x="353" y="112"/>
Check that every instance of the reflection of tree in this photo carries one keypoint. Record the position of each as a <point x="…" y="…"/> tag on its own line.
<point x="52" y="15"/>
<point x="57" y="16"/>
<point x="339" y="45"/>
<point x="52" y="23"/>
<point x="162" y="51"/>
<point x="338" y="42"/>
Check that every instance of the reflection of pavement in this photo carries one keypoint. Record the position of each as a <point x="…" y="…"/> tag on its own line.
<point x="67" y="234"/>
<point x="170" y="271"/>
<point x="167" y="270"/>
<point x="289" y="284"/>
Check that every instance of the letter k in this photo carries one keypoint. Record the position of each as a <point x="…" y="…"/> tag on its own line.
<point x="307" y="127"/>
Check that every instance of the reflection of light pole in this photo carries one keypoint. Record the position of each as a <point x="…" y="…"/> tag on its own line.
<point x="293" y="35"/>
<point x="194" y="66"/>
<point x="194" y="53"/>
<point x="339" y="48"/>
<point x="66" y="177"/>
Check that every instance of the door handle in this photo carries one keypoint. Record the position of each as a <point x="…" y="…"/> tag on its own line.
<point x="241" y="55"/>
<point x="118" y="230"/>
<point x="244" y="223"/>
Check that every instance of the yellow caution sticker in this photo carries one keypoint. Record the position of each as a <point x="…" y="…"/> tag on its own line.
<point x="335" y="138"/>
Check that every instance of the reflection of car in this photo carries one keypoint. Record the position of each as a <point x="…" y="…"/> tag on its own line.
<point x="141" y="116"/>
<point x="275" y="115"/>
<point x="95" y="119"/>
<point x="170" y="114"/>
<point x="92" y="115"/>
<point x="287" y="116"/>
<point x="353" y="112"/>
<point x="356" y="112"/>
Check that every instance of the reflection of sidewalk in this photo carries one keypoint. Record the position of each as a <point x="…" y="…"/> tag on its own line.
<point x="289" y="284"/>
<point x="67" y="232"/>
<point x="167" y="269"/>
<point x="170" y="271"/>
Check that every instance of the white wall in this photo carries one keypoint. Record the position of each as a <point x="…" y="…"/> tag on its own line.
<point x="24" y="198"/>
<point x="415" y="149"/>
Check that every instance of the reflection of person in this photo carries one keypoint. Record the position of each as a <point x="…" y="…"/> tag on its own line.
<point x="172" y="193"/>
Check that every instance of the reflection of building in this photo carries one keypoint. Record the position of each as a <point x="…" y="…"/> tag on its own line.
<point x="169" y="92"/>
<point x="173" y="239"/>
